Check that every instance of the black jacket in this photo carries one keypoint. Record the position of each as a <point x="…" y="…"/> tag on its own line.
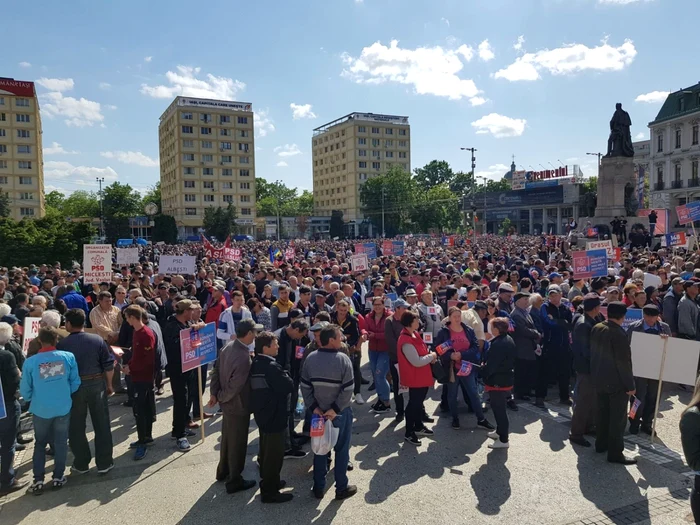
<point x="582" y="343"/>
<point x="611" y="359"/>
<point x="270" y="385"/>
<point x="498" y="371"/>
<point x="171" y="340"/>
<point x="525" y="336"/>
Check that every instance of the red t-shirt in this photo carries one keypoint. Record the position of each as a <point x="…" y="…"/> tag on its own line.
<point x="459" y="341"/>
<point x="142" y="365"/>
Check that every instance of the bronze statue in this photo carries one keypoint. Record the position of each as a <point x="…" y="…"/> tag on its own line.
<point x="620" y="141"/>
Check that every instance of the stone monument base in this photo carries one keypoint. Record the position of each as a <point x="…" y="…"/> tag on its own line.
<point x="614" y="175"/>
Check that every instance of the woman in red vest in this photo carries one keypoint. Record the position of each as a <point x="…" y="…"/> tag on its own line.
<point x="414" y="373"/>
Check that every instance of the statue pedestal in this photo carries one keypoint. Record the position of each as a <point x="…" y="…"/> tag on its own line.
<point x="615" y="173"/>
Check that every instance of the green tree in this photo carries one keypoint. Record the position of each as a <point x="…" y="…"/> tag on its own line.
<point x="81" y="204"/>
<point x="164" y="229"/>
<point x="5" y="204"/>
<point x="152" y="195"/>
<point x="462" y="183"/>
<point x="305" y="203"/>
<point x="54" y="199"/>
<point x="275" y="197"/>
<point x="505" y="227"/>
<point x="437" y="209"/>
<point x="395" y="192"/>
<point x="220" y="222"/>
<point x="434" y="173"/>
<point x="336" y="226"/>
<point x="121" y="199"/>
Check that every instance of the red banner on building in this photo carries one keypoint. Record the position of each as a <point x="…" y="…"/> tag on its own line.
<point x="19" y="88"/>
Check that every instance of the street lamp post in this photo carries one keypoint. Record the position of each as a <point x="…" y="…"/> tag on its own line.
<point x="102" y="214"/>
<point x="473" y="151"/>
<point x="599" y="155"/>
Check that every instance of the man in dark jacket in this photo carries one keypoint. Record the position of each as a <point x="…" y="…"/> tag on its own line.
<point x="526" y="338"/>
<point x="583" y="420"/>
<point x="669" y="307"/>
<point x="611" y="369"/>
<point x="270" y="386"/>
<point x="646" y="388"/>
<point x="392" y="331"/>
<point x="556" y="350"/>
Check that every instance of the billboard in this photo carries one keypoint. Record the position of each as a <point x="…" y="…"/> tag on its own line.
<point x="9" y="86"/>
<point x="534" y="197"/>
<point x="214" y="104"/>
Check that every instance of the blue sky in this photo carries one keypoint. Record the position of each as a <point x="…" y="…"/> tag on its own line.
<point x="537" y="79"/>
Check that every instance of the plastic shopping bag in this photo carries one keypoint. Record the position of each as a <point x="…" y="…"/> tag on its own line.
<point x="323" y="444"/>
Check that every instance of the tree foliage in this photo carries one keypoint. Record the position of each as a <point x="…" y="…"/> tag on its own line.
<point x="152" y="195"/>
<point x="432" y="174"/>
<point x="164" y="229"/>
<point x="275" y="197"/>
<point x="5" y="202"/>
<point x="121" y="199"/>
<point x="393" y="192"/>
<point x="80" y="203"/>
<point x="220" y="222"/>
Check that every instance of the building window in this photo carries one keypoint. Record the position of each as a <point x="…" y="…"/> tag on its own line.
<point x="207" y="144"/>
<point x="3" y="148"/>
<point x="190" y="198"/>
<point x="186" y="116"/>
<point x="388" y="143"/>
<point x="361" y="129"/>
<point x="245" y="160"/>
<point x="375" y="153"/>
<point x="244" y="173"/>
<point x="207" y="158"/>
<point x="678" y="138"/>
<point x="375" y="143"/>
<point x="205" y="131"/>
<point x="660" y="144"/>
<point x="205" y="117"/>
<point x="2" y="117"/>
<point x="188" y="156"/>
<point x="243" y="120"/>
<point x="388" y="131"/>
<point x="3" y="180"/>
<point x="402" y="132"/>
<point x="244" y="133"/>
<point x="389" y="154"/>
<point x="361" y="141"/>
<point x="246" y="211"/>
<point x="402" y="154"/>
<point x="23" y="134"/>
<point x="208" y="185"/>
<point x="243" y="147"/>
<point x="227" y="185"/>
<point x="227" y="172"/>
<point x="25" y="181"/>
<point x="659" y="176"/>
<point x="187" y="129"/>
<point x="3" y="166"/>
<point x="677" y="171"/>
<point x="403" y="143"/>
<point x="376" y="165"/>
<point x="207" y="171"/>
<point x="362" y="153"/>
<point x="375" y="130"/>
<point x="245" y="185"/>
<point x="225" y="145"/>
<point x="226" y="159"/>
<point x="208" y="198"/>
<point x="225" y="132"/>
<point x="189" y="184"/>
<point x="24" y="165"/>
<point x="223" y="119"/>
<point x="190" y="211"/>
<point x="188" y="171"/>
<point x="188" y="143"/>
<point x="245" y="198"/>
<point x="362" y="164"/>
<point x="22" y="103"/>
<point x="26" y="196"/>
<point x="2" y="132"/>
<point x="695" y="135"/>
<point x="227" y="198"/>
<point x="2" y="101"/>
<point x="26" y="212"/>
<point x="694" y="170"/>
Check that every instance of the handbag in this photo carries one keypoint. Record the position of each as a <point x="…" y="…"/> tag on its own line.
<point x="439" y="373"/>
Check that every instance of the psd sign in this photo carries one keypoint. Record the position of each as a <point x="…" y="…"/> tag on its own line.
<point x="177" y="264"/>
<point x="359" y="262"/>
<point x="591" y="263"/>
<point x="97" y="263"/>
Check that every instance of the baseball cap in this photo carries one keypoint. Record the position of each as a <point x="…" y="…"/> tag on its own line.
<point x="400" y="303"/>
<point x="520" y="295"/>
<point x="590" y="301"/>
<point x="505" y="288"/>
<point x="650" y="309"/>
<point x="480" y="305"/>
<point x="554" y="275"/>
<point x="688" y="284"/>
<point x="182" y="306"/>
<point x="676" y="281"/>
<point x="553" y="289"/>
<point x="245" y="326"/>
<point x="613" y="289"/>
<point x="319" y="326"/>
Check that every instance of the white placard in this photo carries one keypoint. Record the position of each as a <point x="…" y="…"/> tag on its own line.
<point x="30" y="332"/>
<point x="681" y="358"/>
<point x="359" y="262"/>
<point x="602" y="245"/>
<point x="428" y="337"/>
<point x="97" y="263"/>
<point x="177" y="264"/>
<point x="127" y="256"/>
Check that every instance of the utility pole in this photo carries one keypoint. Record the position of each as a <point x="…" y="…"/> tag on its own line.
<point x="383" y="229"/>
<point x="278" y="218"/>
<point x="102" y="213"/>
<point x="473" y="151"/>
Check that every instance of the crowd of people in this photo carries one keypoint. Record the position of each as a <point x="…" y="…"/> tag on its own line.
<point x="501" y="319"/>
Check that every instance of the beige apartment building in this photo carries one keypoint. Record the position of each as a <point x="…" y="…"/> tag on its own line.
<point x="350" y="150"/>
<point x="21" y="155"/>
<point x="207" y="158"/>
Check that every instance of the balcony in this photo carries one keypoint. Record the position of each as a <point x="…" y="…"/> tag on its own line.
<point x="659" y="186"/>
<point x="693" y="183"/>
<point x="677" y="184"/>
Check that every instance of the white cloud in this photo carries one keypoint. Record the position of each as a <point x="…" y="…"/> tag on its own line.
<point x="147" y="59"/>
<point x="263" y="123"/>
<point x="184" y="81"/>
<point x="57" y="149"/>
<point x="447" y="22"/>
<point x="494" y="172"/>
<point x="518" y="46"/>
<point x="486" y="51"/>
<point x="572" y="159"/>
<point x="429" y="70"/>
<point x="282" y="164"/>
<point x="300" y="111"/>
<point x="111" y="106"/>
<point x="499" y="126"/>
<point x="77" y="174"/>
<point x="25" y="64"/>
<point x="477" y="101"/>
<point x="570" y="59"/>
<point x="641" y="136"/>
<point x="105" y="86"/>
<point x="654" y="97"/>
<point x="77" y="112"/>
<point x="288" y="150"/>
<point x="56" y="84"/>
<point x="131" y="157"/>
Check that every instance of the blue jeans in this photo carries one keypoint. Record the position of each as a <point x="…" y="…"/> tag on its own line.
<point x="53" y="430"/>
<point x="343" y="421"/>
<point x="468" y="383"/>
<point x="379" y="361"/>
<point x="8" y="433"/>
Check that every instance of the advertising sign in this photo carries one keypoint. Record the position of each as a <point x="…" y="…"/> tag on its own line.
<point x="16" y="87"/>
<point x="688" y="212"/>
<point x="232" y="254"/>
<point x="368" y="248"/>
<point x="97" y="263"/>
<point x="602" y="245"/>
<point x="289" y="253"/>
<point x="518" y="181"/>
<point x="177" y="264"/>
<point x="591" y="263"/>
<point x="197" y="347"/>
<point x="127" y="256"/>
<point x="359" y="262"/>
<point x="534" y="197"/>
<point x="675" y="239"/>
<point x="30" y="332"/>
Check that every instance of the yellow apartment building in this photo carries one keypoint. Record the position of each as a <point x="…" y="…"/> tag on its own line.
<point x="21" y="155"/>
<point x="350" y="150"/>
<point x="207" y="158"/>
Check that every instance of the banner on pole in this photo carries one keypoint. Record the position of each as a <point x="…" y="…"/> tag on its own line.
<point x="97" y="263"/>
<point x="688" y="212"/>
<point x="681" y="358"/>
<point x="127" y="256"/>
<point x="197" y="347"/>
<point x="177" y="264"/>
<point x="359" y="262"/>
<point x="30" y="332"/>
<point x="591" y="263"/>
